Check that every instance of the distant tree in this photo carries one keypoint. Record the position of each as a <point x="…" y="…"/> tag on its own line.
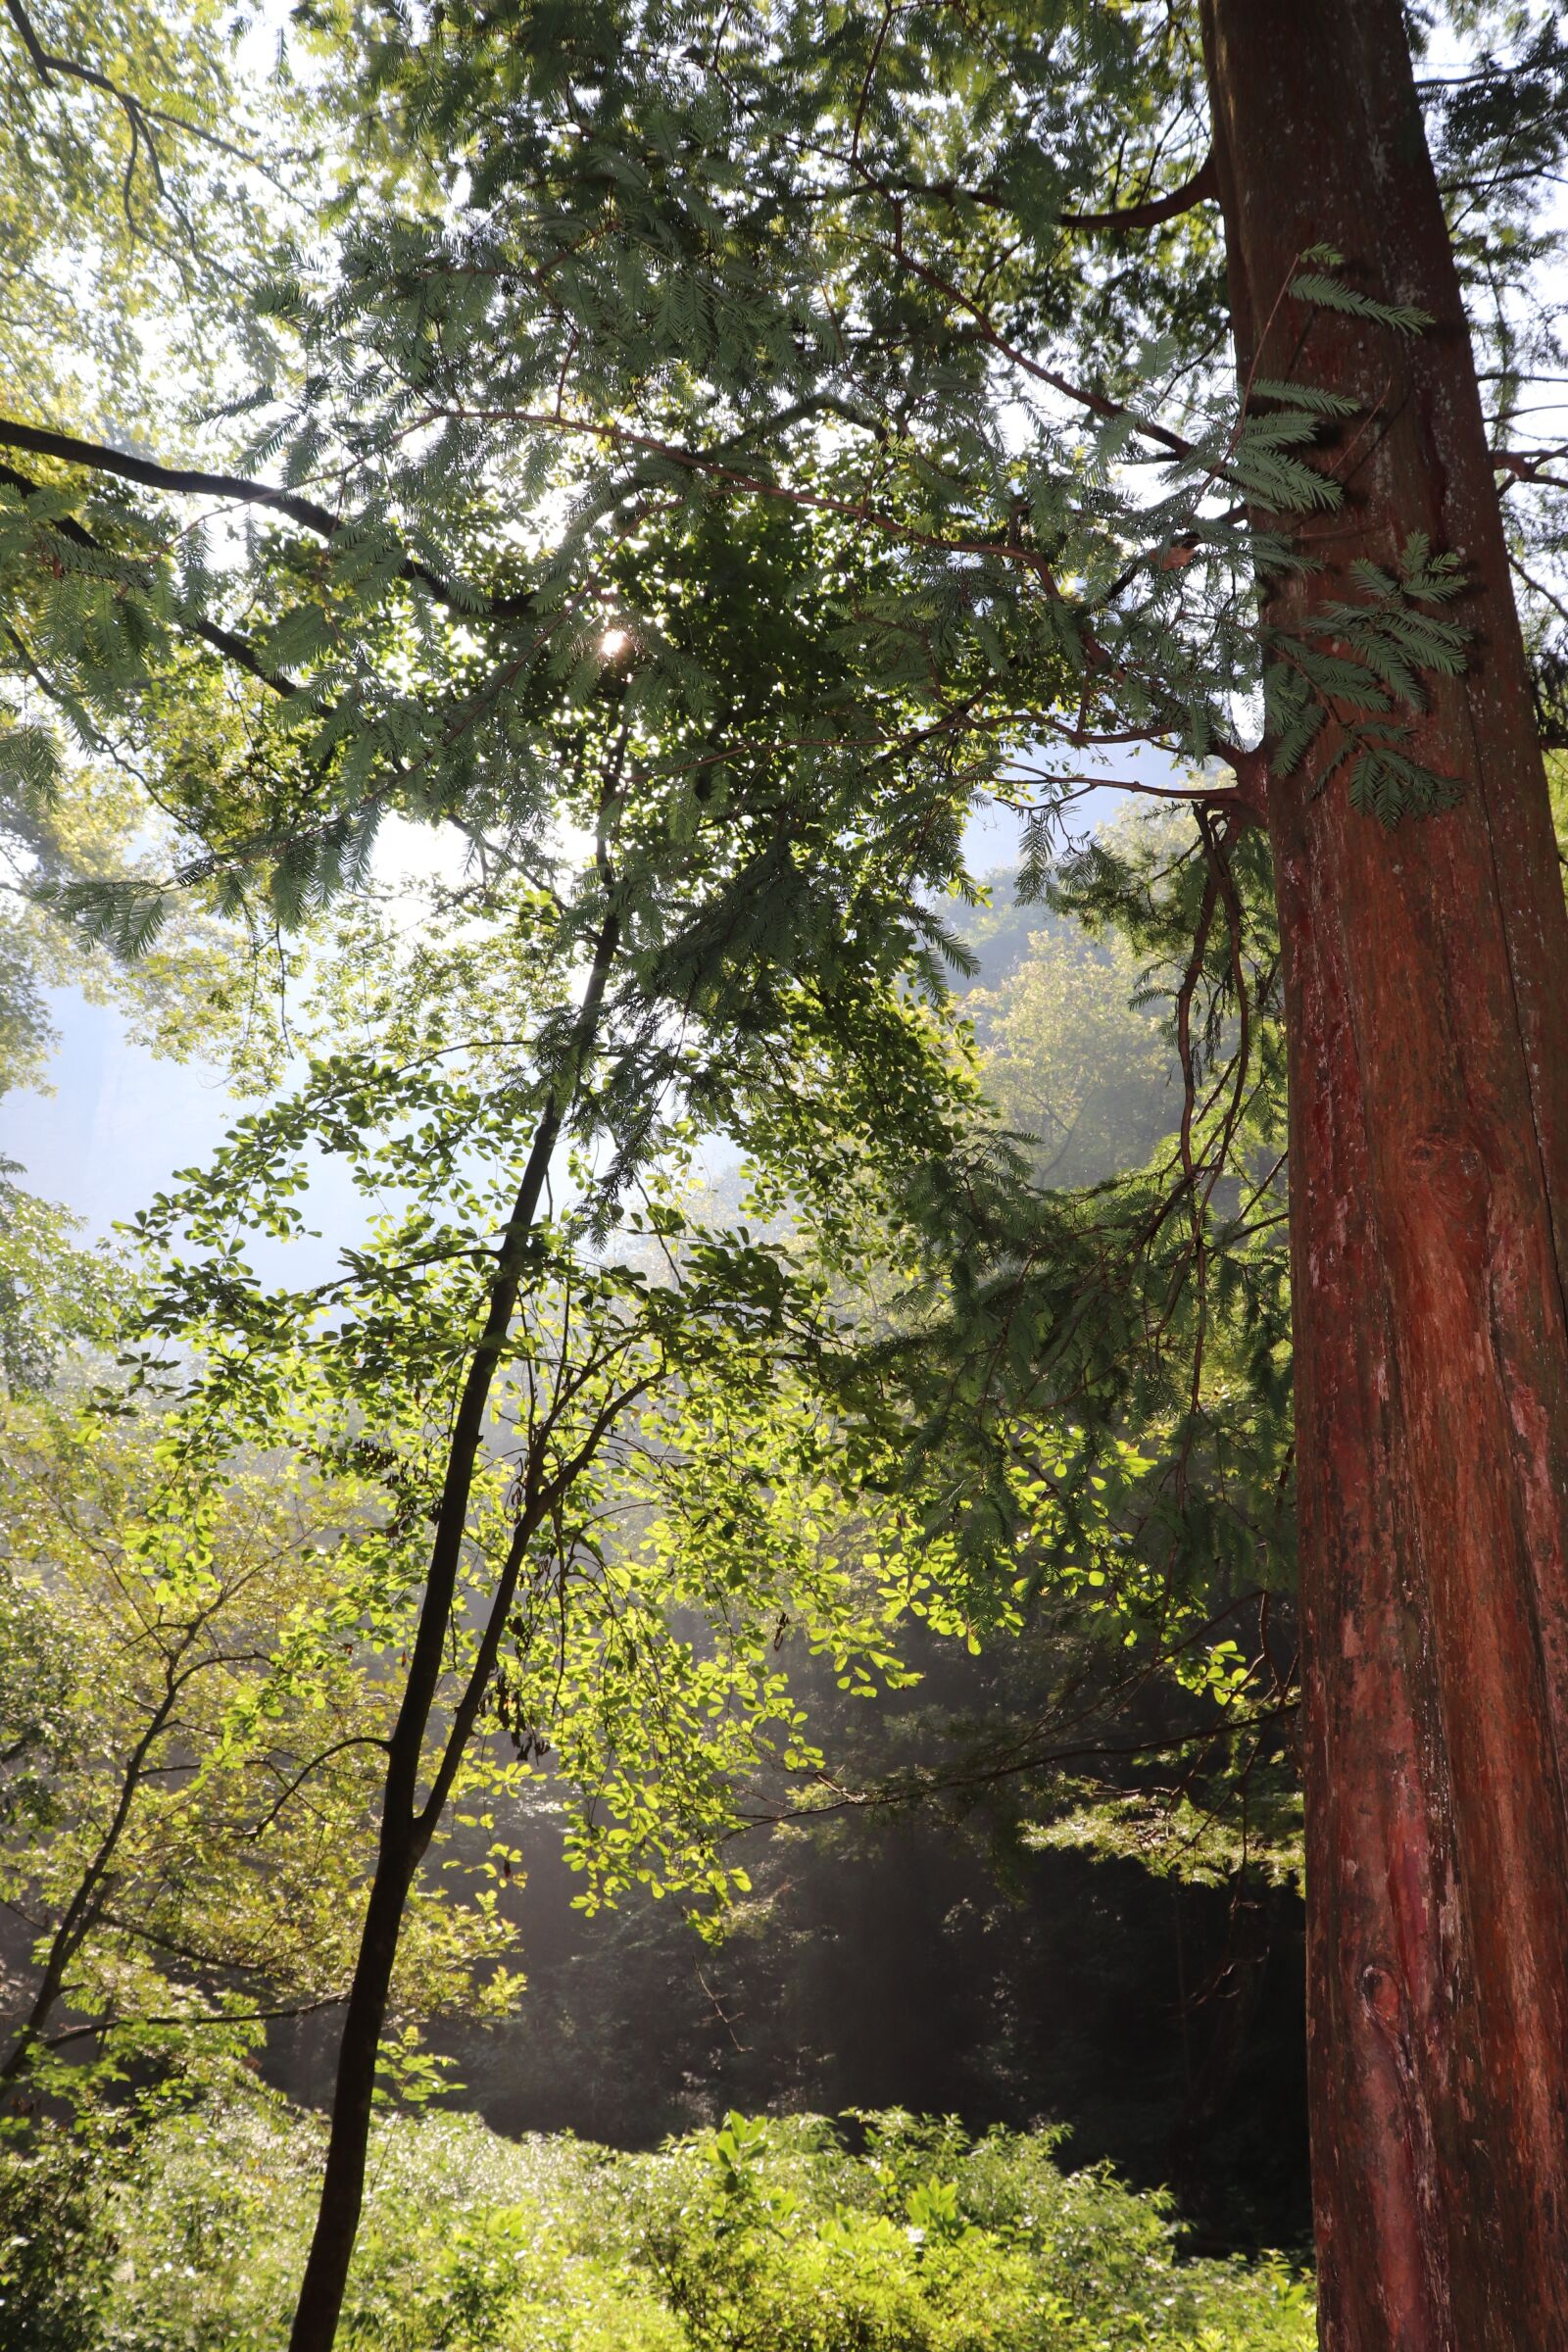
<point x="1075" y="1051"/>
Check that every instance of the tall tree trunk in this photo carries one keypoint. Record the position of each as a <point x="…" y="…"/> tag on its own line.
<point x="1426" y="1006"/>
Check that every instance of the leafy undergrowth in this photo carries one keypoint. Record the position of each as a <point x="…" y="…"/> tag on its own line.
<point x="755" y="2238"/>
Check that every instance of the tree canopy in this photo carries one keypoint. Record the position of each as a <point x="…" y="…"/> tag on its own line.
<point x="692" y="457"/>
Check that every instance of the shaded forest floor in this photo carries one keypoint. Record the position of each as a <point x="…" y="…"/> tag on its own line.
<point x="757" y="2237"/>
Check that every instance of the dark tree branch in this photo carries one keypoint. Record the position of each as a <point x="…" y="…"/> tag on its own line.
<point x="405" y="1830"/>
<point x="1099" y="404"/>
<point x="233" y="648"/>
<point x="186" y="2023"/>
<point x="1527" y="465"/>
<point x="985" y="1772"/>
<point x="189" y="482"/>
<point x="1199" y="190"/>
<point x="316" y="1764"/>
<point x="141" y="117"/>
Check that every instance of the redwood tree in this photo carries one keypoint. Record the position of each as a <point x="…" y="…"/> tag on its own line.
<point x="1427" y="1030"/>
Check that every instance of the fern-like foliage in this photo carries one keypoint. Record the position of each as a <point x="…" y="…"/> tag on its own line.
<point x="1363" y="665"/>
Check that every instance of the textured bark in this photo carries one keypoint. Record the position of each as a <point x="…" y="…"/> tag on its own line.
<point x="1428" y="1023"/>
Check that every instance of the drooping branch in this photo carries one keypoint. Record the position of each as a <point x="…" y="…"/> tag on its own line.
<point x="227" y="641"/>
<point x="1199" y="190"/>
<point x="188" y="481"/>
<point x="48" y="63"/>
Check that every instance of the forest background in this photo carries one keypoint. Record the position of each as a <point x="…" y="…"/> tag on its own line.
<point x="947" y="1958"/>
<point x="860" y="1470"/>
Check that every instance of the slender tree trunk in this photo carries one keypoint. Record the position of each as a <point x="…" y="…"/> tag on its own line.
<point x="406" y="1828"/>
<point x="337" y="2214"/>
<point x="1427" y="1007"/>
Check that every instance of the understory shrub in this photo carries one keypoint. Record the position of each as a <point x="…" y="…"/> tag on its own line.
<point x="55" y="2245"/>
<point x="774" y="2236"/>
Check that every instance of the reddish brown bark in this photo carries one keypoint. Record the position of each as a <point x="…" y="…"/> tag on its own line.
<point x="1427" y="1003"/>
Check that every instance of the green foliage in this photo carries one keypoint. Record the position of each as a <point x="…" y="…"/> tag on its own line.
<point x="1151" y="1314"/>
<point x="90" y="831"/>
<point x="63" y="829"/>
<point x="711" y="432"/>
<point x="926" y="2240"/>
<point x="677" y="1436"/>
<point x="56" y="2245"/>
<point x="1322" y="286"/>
<point x="1363" y="664"/>
<point x="134" y="164"/>
<point x="933" y="2240"/>
<point x="701" y="393"/>
<point x="183" y="1805"/>
<point x="55" y="1297"/>
<point x="1171" y="1835"/>
<point x="776" y="347"/>
<point x="1068" y="1054"/>
<point x="1124" y="1351"/>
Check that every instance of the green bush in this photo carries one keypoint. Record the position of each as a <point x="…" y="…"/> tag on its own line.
<point x="774" y="2238"/>
<point x="759" y="2237"/>
<point x="55" y="2246"/>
